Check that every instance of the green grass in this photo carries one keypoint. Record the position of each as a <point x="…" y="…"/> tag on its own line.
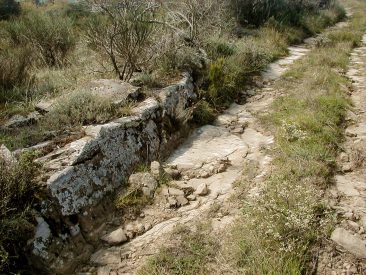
<point x="285" y="222"/>
<point x="189" y="253"/>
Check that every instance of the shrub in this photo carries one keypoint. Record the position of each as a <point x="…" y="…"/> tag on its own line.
<point x="15" y="64"/>
<point x="257" y="12"/>
<point x="9" y="8"/>
<point x="82" y="108"/>
<point x="123" y="32"/>
<point x="203" y="113"/>
<point x="17" y="190"/>
<point x="51" y="42"/>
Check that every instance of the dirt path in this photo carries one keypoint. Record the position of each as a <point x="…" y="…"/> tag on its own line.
<point x="345" y="253"/>
<point x="211" y="161"/>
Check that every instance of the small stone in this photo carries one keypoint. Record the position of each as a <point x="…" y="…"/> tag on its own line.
<point x="346" y="168"/>
<point x="175" y="192"/>
<point x="140" y="228"/>
<point x="349" y="133"/>
<point x="148" y="226"/>
<point x="181" y="201"/>
<point x="173" y="173"/>
<point x="142" y="215"/>
<point x="172" y="202"/>
<point x="349" y="215"/>
<point x="116" y="237"/>
<point x="343" y="157"/>
<point x="204" y="175"/>
<point x="238" y="130"/>
<point x="145" y="181"/>
<point x="156" y="169"/>
<point x="191" y="197"/>
<point x="202" y="190"/>
<point x="353" y="225"/>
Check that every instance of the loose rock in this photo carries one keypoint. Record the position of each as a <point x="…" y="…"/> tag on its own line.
<point x="145" y="181"/>
<point x="350" y="242"/>
<point x="202" y="190"/>
<point x="156" y="169"/>
<point x="116" y="237"/>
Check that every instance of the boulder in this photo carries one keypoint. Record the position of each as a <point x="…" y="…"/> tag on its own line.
<point x="116" y="237"/>
<point x="145" y="181"/>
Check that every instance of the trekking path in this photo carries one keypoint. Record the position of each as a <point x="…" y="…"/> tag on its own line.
<point x="210" y="161"/>
<point x="345" y="253"/>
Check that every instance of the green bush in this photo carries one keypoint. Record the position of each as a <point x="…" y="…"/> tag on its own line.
<point x="17" y="190"/>
<point x="203" y="113"/>
<point x="9" y="8"/>
<point x="50" y="36"/>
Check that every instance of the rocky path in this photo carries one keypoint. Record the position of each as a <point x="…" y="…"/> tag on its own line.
<point x="345" y="253"/>
<point x="209" y="163"/>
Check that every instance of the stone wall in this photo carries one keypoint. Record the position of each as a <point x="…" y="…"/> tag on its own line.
<point x="79" y="175"/>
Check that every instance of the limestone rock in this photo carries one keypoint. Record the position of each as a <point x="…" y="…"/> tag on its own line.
<point x="350" y="242"/>
<point x="173" y="173"/>
<point x="44" y="106"/>
<point x="145" y="181"/>
<point x="191" y="197"/>
<point x="346" y="168"/>
<point x="106" y="256"/>
<point x="172" y="202"/>
<point x="116" y="90"/>
<point x="181" y="201"/>
<point x="202" y="190"/>
<point x="116" y="237"/>
<point x="17" y="121"/>
<point x="175" y="192"/>
<point x="156" y="169"/>
<point x="6" y="155"/>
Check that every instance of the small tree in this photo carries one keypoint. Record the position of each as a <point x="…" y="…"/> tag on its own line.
<point x="122" y="30"/>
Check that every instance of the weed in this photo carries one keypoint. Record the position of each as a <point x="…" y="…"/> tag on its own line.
<point x="190" y="255"/>
<point x="18" y="190"/>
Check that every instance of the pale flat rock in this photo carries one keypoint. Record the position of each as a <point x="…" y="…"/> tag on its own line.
<point x="116" y="90"/>
<point x="208" y="144"/>
<point x="352" y="243"/>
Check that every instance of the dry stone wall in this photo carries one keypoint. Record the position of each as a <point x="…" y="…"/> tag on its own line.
<point x="80" y="174"/>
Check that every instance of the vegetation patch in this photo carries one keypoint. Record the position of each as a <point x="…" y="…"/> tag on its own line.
<point x="18" y="189"/>
<point x="190" y="253"/>
<point x="287" y="219"/>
